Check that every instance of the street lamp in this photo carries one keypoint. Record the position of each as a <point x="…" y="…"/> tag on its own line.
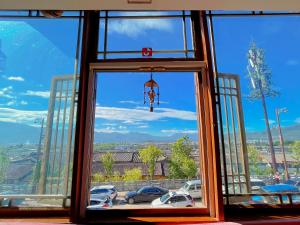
<point x="281" y="141"/>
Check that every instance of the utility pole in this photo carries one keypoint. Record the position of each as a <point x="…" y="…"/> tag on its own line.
<point x="286" y="168"/>
<point x="269" y="134"/>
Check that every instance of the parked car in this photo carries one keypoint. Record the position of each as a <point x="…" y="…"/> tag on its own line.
<point x="101" y="202"/>
<point x="145" y="194"/>
<point x="274" y="189"/>
<point x="256" y="184"/>
<point x="109" y="190"/>
<point x="193" y="188"/>
<point x="174" y="199"/>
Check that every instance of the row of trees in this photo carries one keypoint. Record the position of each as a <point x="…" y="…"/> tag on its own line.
<point x="181" y="163"/>
<point x="255" y="158"/>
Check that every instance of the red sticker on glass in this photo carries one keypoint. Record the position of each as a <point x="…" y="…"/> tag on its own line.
<point x="147" y="52"/>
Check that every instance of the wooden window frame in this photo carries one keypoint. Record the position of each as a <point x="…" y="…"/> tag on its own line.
<point x="207" y="120"/>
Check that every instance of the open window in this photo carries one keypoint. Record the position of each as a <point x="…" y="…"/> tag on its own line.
<point x="37" y="110"/>
<point x="257" y="89"/>
<point x="109" y="84"/>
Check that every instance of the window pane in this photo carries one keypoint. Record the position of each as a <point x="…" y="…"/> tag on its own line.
<point x="37" y="105"/>
<point x="129" y="32"/>
<point x="144" y="154"/>
<point x="258" y="61"/>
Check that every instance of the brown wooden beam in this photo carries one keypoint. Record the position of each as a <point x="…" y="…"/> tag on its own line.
<point x="208" y="120"/>
<point x="80" y="171"/>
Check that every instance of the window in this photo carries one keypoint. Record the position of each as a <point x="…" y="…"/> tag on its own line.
<point x="125" y="34"/>
<point x="257" y="62"/>
<point x="126" y="134"/>
<point x="108" y="84"/>
<point x="37" y="111"/>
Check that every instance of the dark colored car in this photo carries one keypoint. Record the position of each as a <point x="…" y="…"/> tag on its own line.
<point x="145" y="194"/>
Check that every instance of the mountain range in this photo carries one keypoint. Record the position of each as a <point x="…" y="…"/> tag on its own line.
<point x="14" y="133"/>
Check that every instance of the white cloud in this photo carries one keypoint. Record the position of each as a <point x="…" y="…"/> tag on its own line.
<point x="20" y="116"/>
<point x="131" y="116"/>
<point x="163" y="102"/>
<point x="42" y="94"/>
<point x="130" y="102"/>
<point x="24" y="103"/>
<point x="293" y="62"/>
<point x="143" y="126"/>
<point x="10" y="103"/>
<point x="271" y="122"/>
<point x="175" y="131"/>
<point x="136" y="27"/>
<point x="111" y="130"/>
<point x="18" y="78"/>
<point x="6" y="92"/>
<point x="109" y="124"/>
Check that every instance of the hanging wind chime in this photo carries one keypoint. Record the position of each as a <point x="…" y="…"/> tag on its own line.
<point x="149" y="89"/>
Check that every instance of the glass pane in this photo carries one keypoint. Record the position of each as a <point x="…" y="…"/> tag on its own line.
<point x="149" y="30"/>
<point x="148" y="157"/>
<point x="259" y="107"/>
<point x="37" y="105"/>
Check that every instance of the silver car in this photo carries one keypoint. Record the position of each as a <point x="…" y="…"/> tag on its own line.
<point x="173" y="199"/>
<point x="108" y="190"/>
<point x="102" y="202"/>
<point x="193" y="188"/>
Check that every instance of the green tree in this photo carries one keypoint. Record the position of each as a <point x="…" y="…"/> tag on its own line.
<point x="261" y="87"/>
<point x="254" y="158"/>
<point x="4" y="162"/>
<point x="134" y="174"/>
<point x="116" y="176"/>
<point x="181" y="164"/>
<point x="296" y="153"/>
<point x="98" y="178"/>
<point x="189" y="167"/>
<point x="108" y="162"/>
<point x="149" y="156"/>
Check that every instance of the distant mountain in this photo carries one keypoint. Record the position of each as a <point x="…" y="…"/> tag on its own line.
<point x="289" y="133"/>
<point x="134" y="137"/>
<point x="15" y="133"/>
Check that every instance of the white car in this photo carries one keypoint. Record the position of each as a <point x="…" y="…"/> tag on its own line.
<point x="256" y="184"/>
<point x="193" y="188"/>
<point x="173" y="199"/>
<point x="100" y="203"/>
<point x="99" y="191"/>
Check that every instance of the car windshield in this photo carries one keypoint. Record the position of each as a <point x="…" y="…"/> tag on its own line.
<point x="164" y="197"/>
<point x="98" y="191"/>
<point x="102" y="197"/>
<point x="141" y="190"/>
<point x="258" y="183"/>
<point x="186" y="187"/>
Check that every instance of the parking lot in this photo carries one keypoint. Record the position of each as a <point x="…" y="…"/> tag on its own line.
<point x="120" y="203"/>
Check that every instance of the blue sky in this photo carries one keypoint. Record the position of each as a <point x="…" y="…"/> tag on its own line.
<point x="279" y="37"/>
<point x="39" y="50"/>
